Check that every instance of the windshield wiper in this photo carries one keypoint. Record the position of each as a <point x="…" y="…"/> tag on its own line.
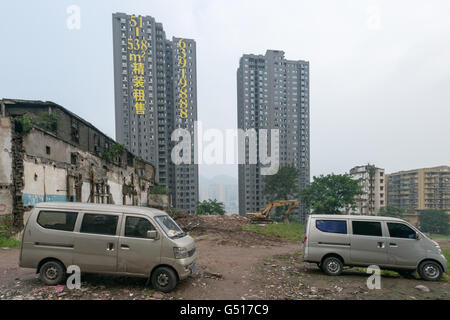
<point x="180" y="235"/>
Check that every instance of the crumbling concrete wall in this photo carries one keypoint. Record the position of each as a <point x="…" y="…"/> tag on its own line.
<point x="67" y="173"/>
<point x="39" y="165"/>
<point x="159" y="200"/>
<point x="44" y="182"/>
<point x="6" y="202"/>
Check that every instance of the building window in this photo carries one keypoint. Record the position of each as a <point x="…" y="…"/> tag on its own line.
<point x="74" y="131"/>
<point x="73" y="158"/>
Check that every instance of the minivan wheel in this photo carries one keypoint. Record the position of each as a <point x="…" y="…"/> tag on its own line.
<point x="332" y="266"/>
<point x="430" y="271"/>
<point x="164" y="279"/>
<point x="52" y="273"/>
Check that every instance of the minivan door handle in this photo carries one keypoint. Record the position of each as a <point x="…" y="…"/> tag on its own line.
<point x="110" y="246"/>
<point x="393" y="245"/>
<point x="125" y="246"/>
<point x="380" y="244"/>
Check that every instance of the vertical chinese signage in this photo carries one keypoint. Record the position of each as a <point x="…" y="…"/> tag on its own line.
<point x="182" y="82"/>
<point x="137" y="48"/>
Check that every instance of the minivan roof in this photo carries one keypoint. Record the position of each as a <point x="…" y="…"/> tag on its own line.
<point x="355" y="217"/>
<point x="100" y="207"/>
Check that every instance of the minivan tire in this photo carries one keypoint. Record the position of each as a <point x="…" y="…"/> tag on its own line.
<point x="52" y="273"/>
<point x="332" y="266"/>
<point x="430" y="271"/>
<point x="164" y="279"/>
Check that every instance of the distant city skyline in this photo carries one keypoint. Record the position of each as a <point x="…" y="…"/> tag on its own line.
<point x="222" y="188"/>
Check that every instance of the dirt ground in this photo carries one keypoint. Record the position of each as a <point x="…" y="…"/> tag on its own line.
<point x="232" y="264"/>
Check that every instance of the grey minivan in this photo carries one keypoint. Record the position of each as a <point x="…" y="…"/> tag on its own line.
<point x="335" y="241"/>
<point x="110" y="239"/>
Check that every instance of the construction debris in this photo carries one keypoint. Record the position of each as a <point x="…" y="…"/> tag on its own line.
<point x="223" y="229"/>
<point x="202" y="223"/>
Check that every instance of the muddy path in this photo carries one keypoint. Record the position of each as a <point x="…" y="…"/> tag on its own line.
<point x="224" y="271"/>
<point x="229" y="272"/>
<point x="232" y="264"/>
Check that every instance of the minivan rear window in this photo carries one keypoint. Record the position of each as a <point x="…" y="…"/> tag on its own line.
<point x="333" y="226"/>
<point x="57" y="220"/>
<point x="99" y="224"/>
<point x="367" y="228"/>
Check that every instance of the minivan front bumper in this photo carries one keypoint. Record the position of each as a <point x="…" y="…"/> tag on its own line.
<point x="443" y="261"/>
<point x="183" y="267"/>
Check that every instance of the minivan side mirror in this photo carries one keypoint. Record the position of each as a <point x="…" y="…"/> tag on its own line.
<point x="417" y="237"/>
<point x="152" y="234"/>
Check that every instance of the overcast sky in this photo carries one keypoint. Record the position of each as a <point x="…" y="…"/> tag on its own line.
<point x="380" y="70"/>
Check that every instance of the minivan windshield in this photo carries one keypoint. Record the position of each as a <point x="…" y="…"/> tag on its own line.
<point x="170" y="227"/>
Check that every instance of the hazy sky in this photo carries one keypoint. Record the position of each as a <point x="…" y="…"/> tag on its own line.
<point x="380" y="70"/>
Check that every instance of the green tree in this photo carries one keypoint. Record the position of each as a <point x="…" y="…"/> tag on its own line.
<point x="113" y="152"/>
<point x="331" y="194"/>
<point x="281" y="186"/>
<point x="391" y="211"/>
<point x="211" y="207"/>
<point x="47" y="121"/>
<point x="24" y="123"/>
<point x="434" y="221"/>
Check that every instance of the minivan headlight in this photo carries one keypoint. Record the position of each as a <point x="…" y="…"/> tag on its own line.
<point x="438" y="248"/>
<point x="180" y="253"/>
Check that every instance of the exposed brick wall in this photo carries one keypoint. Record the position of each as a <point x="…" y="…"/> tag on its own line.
<point x="18" y="153"/>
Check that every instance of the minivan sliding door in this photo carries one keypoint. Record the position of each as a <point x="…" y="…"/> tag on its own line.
<point x="96" y="242"/>
<point x="367" y="244"/>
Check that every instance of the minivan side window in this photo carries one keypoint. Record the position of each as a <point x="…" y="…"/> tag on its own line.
<point x="399" y="230"/>
<point x="99" y="224"/>
<point x="367" y="228"/>
<point x="137" y="227"/>
<point x="333" y="226"/>
<point x="56" y="220"/>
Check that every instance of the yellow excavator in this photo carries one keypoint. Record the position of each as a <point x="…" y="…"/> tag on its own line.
<point x="264" y="215"/>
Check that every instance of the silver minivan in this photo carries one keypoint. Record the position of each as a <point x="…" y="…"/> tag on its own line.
<point x="109" y="239"/>
<point x="335" y="241"/>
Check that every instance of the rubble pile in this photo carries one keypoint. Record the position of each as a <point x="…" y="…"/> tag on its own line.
<point x="199" y="224"/>
<point x="223" y="230"/>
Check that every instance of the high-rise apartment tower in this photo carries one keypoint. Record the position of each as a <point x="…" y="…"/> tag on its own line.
<point x="155" y="93"/>
<point x="273" y="93"/>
